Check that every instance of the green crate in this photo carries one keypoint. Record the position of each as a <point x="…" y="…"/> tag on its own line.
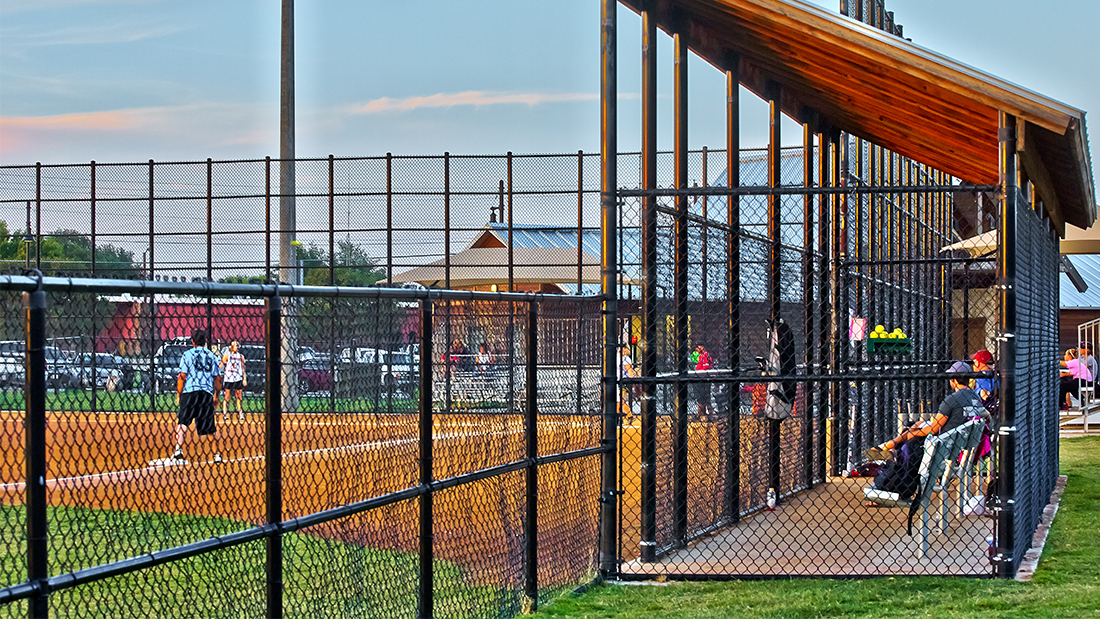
<point x="889" y="347"/>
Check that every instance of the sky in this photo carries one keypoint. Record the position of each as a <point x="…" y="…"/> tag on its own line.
<point x="132" y="80"/>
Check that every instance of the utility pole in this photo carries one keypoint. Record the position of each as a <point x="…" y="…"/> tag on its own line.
<point x="288" y="255"/>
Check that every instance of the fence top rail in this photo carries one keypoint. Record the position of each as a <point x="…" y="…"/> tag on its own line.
<point x="141" y="288"/>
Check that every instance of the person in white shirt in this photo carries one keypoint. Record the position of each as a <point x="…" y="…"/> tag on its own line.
<point x="626" y="370"/>
<point x="232" y="367"/>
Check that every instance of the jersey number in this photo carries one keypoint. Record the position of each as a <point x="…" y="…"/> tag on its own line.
<point x="204" y="363"/>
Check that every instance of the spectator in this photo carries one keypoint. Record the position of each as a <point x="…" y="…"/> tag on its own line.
<point x="1085" y="352"/>
<point x="1073" y="371"/>
<point x="483" y="359"/>
<point x="232" y="367"/>
<point x="960" y="406"/>
<point x="702" y="390"/>
<point x="986" y="387"/>
<point x="197" y="388"/>
<point x="626" y="370"/>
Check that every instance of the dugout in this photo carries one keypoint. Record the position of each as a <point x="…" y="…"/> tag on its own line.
<point x="906" y="154"/>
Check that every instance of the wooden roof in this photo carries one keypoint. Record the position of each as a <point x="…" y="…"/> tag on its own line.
<point x="882" y="88"/>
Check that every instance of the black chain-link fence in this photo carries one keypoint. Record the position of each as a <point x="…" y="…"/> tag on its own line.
<point x="773" y="363"/>
<point x="752" y="371"/>
<point x="375" y="452"/>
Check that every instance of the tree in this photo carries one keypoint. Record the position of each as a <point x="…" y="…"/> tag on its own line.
<point x="65" y="252"/>
<point x="353" y="267"/>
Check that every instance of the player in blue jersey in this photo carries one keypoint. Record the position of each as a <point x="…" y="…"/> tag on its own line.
<point x="197" y="389"/>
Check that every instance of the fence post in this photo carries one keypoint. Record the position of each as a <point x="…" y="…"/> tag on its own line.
<point x="531" y="528"/>
<point x="426" y="533"/>
<point x="1004" y="561"/>
<point x="274" y="455"/>
<point x="732" y="497"/>
<point x="648" y="361"/>
<point x="609" y="282"/>
<point x="35" y="394"/>
<point x="332" y="221"/>
<point x="681" y="310"/>
<point x="775" y="147"/>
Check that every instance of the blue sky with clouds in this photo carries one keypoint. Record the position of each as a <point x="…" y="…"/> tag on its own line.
<point x="131" y="80"/>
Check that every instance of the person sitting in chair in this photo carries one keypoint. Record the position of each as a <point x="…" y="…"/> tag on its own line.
<point x="900" y="474"/>
<point x="960" y="406"/>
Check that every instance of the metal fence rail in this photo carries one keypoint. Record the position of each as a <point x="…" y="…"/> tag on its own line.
<point x="378" y="490"/>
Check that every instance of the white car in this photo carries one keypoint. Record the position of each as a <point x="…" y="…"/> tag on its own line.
<point x="395" y="369"/>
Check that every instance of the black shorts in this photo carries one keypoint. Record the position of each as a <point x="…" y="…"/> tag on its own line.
<point x="236" y="385"/>
<point x="198" y="406"/>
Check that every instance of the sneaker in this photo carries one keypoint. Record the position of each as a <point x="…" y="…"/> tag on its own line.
<point x="878" y="453"/>
<point x="218" y="459"/>
<point x="176" y="455"/>
<point x="240" y="416"/>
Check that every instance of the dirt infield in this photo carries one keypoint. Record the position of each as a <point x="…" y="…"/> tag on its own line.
<point x="104" y="461"/>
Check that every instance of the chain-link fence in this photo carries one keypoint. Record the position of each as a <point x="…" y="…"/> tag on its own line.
<point x="372" y="452"/>
<point x="809" y="372"/>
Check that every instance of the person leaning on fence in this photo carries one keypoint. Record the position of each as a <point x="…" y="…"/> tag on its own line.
<point x="233" y="377"/>
<point x="197" y="388"/>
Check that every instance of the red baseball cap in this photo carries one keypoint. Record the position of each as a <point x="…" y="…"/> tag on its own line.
<point x="983" y="356"/>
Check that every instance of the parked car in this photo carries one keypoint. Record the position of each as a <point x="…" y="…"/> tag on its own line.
<point x="99" y="368"/>
<point x="255" y="366"/>
<point x="370" y="368"/>
<point x="315" y="373"/>
<point x="61" y="369"/>
<point x="167" y="363"/>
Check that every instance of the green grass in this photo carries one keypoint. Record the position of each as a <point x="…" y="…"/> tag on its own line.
<point x="1067" y="583"/>
<point x="322" y="578"/>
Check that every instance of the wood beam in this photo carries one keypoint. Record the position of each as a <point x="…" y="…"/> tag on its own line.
<point x="1039" y="176"/>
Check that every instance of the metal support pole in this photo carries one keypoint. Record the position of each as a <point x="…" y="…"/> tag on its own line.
<point x="389" y="217"/>
<point x="447" y="224"/>
<point x="267" y="221"/>
<point x="92" y="201"/>
<point x="209" y="245"/>
<point x="680" y="274"/>
<point x="808" y="303"/>
<point x="288" y="219"/>
<point x="580" y="224"/>
<point x="273" y="457"/>
<point x="732" y="498"/>
<point x="1004" y="562"/>
<point x="427" y="535"/>
<point x="531" y="528"/>
<point x="839" y="329"/>
<point x="775" y="146"/>
<point x="609" y="281"/>
<point x="38" y="216"/>
<point x="821" y="395"/>
<point x="331" y="221"/>
<point x="34" y="303"/>
<point x="648" y="366"/>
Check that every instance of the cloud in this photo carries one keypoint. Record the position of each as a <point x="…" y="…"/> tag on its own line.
<point x="118" y="32"/>
<point x="191" y="131"/>
<point x="470" y="97"/>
